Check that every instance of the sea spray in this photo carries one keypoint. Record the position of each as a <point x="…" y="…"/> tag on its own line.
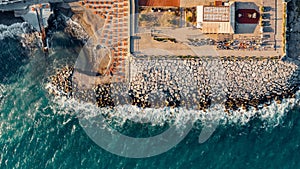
<point x="2" y="92"/>
<point x="271" y="115"/>
<point x="15" y="30"/>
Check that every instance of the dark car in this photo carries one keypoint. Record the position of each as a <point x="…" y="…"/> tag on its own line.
<point x="267" y="8"/>
<point x="266" y="36"/>
<point x="266" y="23"/>
<point x="266" y="16"/>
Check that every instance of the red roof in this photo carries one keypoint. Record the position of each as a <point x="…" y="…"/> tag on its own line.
<point x="218" y="3"/>
<point x="160" y="3"/>
<point x="249" y="16"/>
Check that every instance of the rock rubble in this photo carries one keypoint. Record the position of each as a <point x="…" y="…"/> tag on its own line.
<point x="195" y="83"/>
<point x="206" y="81"/>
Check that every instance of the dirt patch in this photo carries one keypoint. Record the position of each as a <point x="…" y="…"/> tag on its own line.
<point x="158" y="19"/>
<point x="92" y="23"/>
<point x="86" y="18"/>
<point x="147" y="44"/>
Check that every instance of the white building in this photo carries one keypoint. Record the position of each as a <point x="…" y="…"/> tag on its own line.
<point x="216" y="19"/>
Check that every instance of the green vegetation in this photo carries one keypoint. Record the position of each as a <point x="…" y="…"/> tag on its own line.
<point x="189" y="19"/>
<point x="163" y="39"/>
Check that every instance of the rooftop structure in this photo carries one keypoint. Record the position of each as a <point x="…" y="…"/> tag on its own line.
<point x="250" y="16"/>
<point x="216" y="14"/>
<point x="160" y="3"/>
<point x="216" y="19"/>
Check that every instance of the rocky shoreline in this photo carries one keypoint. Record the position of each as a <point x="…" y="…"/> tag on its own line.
<point x="191" y="83"/>
<point x="206" y="81"/>
<point x="59" y="22"/>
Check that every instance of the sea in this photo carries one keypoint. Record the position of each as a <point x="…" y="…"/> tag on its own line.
<point x="40" y="130"/>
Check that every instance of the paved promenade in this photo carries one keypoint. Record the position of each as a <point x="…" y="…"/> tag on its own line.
<point x="277" y="14"/>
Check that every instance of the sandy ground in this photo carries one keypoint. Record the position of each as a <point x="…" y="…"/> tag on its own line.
<point x="91" y="24"/>
<point x="89" y="21"/>
<point x="150" y="46"/>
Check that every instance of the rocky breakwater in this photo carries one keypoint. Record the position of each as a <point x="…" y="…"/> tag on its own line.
<point x="61" y="82"/>
<point x="194" y="83"/>
<point x="200" y="82"/>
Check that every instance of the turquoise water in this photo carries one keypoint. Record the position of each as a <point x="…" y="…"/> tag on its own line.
<point x="35" y="132"/>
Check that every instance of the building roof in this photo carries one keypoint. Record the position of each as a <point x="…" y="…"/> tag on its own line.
<point x="160" y="3"/>
<point x="216" y="19"/>
<point x="216" y="13"/>
<point x="247" y="16"/>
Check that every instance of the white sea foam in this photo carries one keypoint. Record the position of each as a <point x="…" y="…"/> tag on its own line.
<point x="14" y="30"/>
<point x="2" y="93"/>
<point x="271" y="115"/>
<point x="2" y="90"/>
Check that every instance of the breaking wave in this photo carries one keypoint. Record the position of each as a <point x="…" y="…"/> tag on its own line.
<point x="271" y="115"/>
<point x="15" y="30"/>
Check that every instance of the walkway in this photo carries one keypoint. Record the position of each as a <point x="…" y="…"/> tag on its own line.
<point x="276" y="21"/>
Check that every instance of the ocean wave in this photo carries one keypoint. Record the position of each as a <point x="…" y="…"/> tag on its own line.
<point x="271" y="115"/>
<point x="15" y="30"/>
<point x="2" y="92"/>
